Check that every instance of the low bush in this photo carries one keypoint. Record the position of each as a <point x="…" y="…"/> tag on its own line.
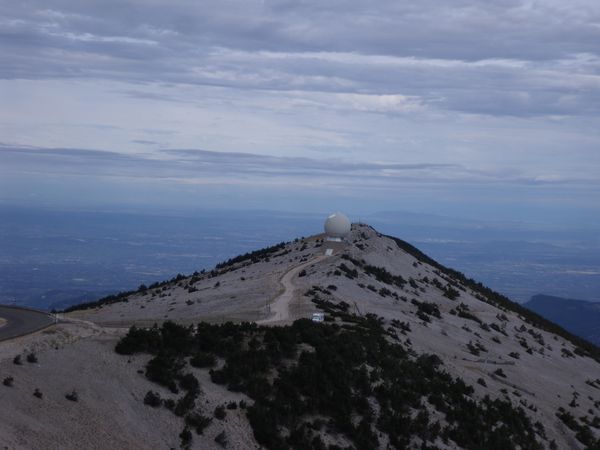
<point x="203" y="360"/>
<point x="221" y="439"/>
<point x="220" y="412"/>
<point x="186" y="438"/>
<point x="500" y="373"/>
<point x="152" y="399"/>
<point x="197" y="421"/>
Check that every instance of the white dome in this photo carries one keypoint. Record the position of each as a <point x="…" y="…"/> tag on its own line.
<point x="337" y="225"/>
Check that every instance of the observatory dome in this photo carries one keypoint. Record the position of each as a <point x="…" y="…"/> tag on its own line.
<point x="337" y="225"/>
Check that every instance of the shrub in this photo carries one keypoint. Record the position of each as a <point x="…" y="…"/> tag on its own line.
<point x="350" y="273"/>
<point x="430" y="309"/>
<point x="139" y="340"/>
<point x="189" y="383"/>
<point x="220" y="412"/>
<point x="185" y="404"/>
<point x="473" y="349"/>
<point x="152" y="399"/>
<point x="8" y="381"/>
<point x="72" y="396"/>
<point x="202" y="360"/>
<point x="566" y="353"/>
<point x="37" y="393"/>
<point x="451" y="293"/>
<point x="197" y="421"/>
<point x="384" y="292"/>
<point x="424" y="317"/>
<point x="254" y="256"/>
<point x="169" y="403"/>
<point x="31" y="358"/>
<point x="17" y="360"/>
<point x="464" y="312"/>
<point x="221" y="439"/>
<point x="186" y="437"/>
<point x="163" y="369"/>
<point x="500" y="373"/>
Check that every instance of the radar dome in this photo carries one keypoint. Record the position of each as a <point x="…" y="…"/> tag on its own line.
<point x="337" y="225"/>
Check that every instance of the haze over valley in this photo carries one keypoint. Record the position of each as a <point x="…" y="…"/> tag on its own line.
<point x="56" y="258"/>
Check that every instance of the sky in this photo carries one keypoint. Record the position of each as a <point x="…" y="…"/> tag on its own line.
<point x="468" y="108"/>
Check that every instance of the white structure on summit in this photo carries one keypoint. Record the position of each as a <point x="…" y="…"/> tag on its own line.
<point x="337" y="226"/>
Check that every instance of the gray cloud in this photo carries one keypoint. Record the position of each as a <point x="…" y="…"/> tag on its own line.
<point x="184" y="163"/>
<point x="471" y="101"/>
<point x="506" y="57"/>
<point x="202" y="166"/>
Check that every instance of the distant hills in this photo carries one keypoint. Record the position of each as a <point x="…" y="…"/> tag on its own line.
<point x="580" y="317"/>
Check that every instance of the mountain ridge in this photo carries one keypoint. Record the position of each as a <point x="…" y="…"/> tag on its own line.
<point x="373" y="290"/>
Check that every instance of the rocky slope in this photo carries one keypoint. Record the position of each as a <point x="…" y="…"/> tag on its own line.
<point x="549" y="379"/>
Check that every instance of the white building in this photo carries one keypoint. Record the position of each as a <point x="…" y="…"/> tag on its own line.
<point x="318" y="317"/>
<point x="337" y="227"/>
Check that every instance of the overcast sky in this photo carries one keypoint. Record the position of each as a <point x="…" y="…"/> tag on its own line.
<point x="462" y="107"/>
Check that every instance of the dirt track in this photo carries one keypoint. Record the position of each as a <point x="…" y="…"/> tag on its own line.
<point x="280" y="307"/>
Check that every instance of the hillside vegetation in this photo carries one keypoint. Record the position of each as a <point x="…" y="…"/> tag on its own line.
<point x="320" y="386"/>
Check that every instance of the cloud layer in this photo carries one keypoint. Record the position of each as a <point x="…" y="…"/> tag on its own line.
<point x="506" y="57"/>
<point x="467" y="91"/>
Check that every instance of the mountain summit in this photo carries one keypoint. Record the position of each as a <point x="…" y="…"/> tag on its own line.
<point x="410" y="355"/>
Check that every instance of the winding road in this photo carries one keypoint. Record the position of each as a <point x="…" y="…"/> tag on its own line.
<point x="280" y="307"/>
<point x="17" y="321"/>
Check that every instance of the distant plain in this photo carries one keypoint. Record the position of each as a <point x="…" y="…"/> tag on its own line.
<point x="54" y="258"/>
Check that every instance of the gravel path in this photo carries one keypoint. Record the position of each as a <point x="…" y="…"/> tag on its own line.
<point x="280" y="307"/>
